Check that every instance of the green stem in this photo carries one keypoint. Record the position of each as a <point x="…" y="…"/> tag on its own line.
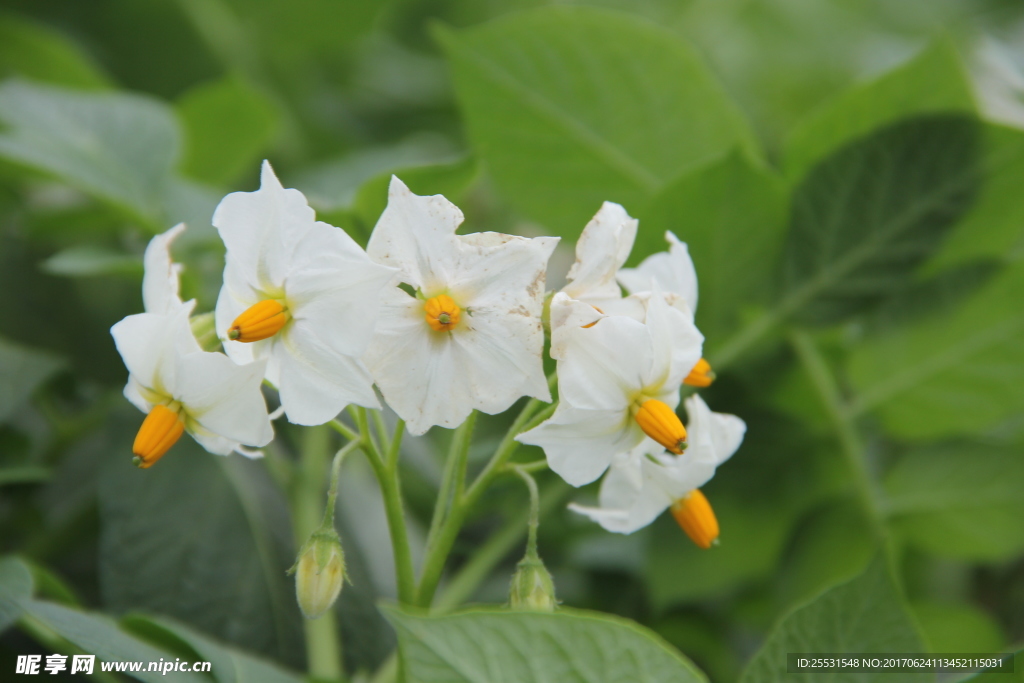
<point x="838" y="414"/>
<point x="534" y="520"/>
<point x="437" y="555"/>
<point x="323" y="651"/>
<point x="452" y="477"/>
<point x="391" y="490"/>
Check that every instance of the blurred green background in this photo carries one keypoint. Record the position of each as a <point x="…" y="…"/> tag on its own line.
<point x="738" y="124"/>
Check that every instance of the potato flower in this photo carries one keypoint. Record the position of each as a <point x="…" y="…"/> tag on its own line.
<point x="618" y="381"/>
<point x="641" y="484"/>
<point x="469" y="334"/>
<point x="183" y="388"/>
<point x="160" y="281"/>
<point x="300" y="294"/>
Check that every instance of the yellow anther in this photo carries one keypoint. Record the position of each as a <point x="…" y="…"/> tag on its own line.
<point x="441" y="312"/>
<point x="159" y="431"/>
<point x="701" y="375"/>
<point x="259" y="321"/>
<point x="596" y="321"/>
<point x="697" y="519"/>
<point x="662" y="424"/>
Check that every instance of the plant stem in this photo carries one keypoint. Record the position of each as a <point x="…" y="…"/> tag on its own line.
<point x="437" y="555"/>
<point x="391" y="490"/>
<point x="849" y="441"/>
<point x="534" y="519"/>
<point x="323" y="651"/>
<point x="452" y="477"/>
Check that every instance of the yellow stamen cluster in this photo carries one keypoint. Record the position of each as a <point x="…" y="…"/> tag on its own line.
<point x="259" y="321"/>
<point x="701" y="375"/>
<point x="697" y="519"/>
<point x="159" y="431"/>
<point x="442" y="313"/>
<point x="662" y="424"/>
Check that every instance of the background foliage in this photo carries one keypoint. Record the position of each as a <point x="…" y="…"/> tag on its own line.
<point x="848" y="175"/>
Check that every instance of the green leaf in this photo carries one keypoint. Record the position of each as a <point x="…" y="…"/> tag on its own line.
<point x="204" y="539"/>
<point x="959" y="500"/>
<point x="87" y="259"/>
<point x="834" y="543"/>
<point x="118" y="147"/>
<point x="495" y="645"/>
<point x="953" y="627"/>
<point x="15" y="587"/>
<point x="933" y="81"/>
<point x="228" y="665"/>
<point x="867" y="614"/>
<point x="732" y="216"/>
<point x="865" y="217"/>
<point x="950" y="374"/>
<point x="22" y="370"/>
<point x="571" y="106"/>
<point x="99" y="635"/>
<point x="228" y="125"/>
<point x="38" y="52"/>
<point x="995" y="224"/>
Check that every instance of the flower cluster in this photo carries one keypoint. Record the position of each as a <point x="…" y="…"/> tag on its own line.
<point x="442" y="324"/>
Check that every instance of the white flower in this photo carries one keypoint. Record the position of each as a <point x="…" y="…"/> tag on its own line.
<point x="672" y="272"/>
<point x="183" y="388"/>
<point x="618" y="380"/>
<point x="602" y="248"/>
<point x="302" y="295"/>
<point x="640" y="485"/>
<point x="471" y="338"/>
<point x="160" y="282"/>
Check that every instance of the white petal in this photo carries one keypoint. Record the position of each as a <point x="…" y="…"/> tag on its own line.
<point x="567" y="314"/>
<point x="601" y="250"/>
<point x="160" y="283"/>
<point x="149" y="344"/>
<point x="677" y="343"/>
<point x="580" y="444"/>
<point x="670" y="271"/>
<point x="235" y="297"/>
<point x="502" y="271"/>
<point x="713" y="437"/>
<point x="224" y="398"/>
<point x="425" y="376"/>
<point x="263" y="229"/>
<point x="316" y="382"/>
<point x="417" y="235"/>
<point x="605" y="366"/>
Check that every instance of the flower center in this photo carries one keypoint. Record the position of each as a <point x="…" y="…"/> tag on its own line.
<point x="661" y="424"/>
<point x="159" y="431"/>
<point x="701" y="375"/>
<point x="694" y="514"/>
<point x="441" y="312"/>
<point x="259" y="321"/>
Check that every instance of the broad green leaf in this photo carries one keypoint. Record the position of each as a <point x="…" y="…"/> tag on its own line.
<point x="960" y="500"/>
<point x="15" y="587"/>
<point x="495" y="645"/>
<point x="948" y="374"/>
<point x="203" y="539"/>
<point x="866" y="614"/>
<point x="38" y="52"/>
<point x="22" y="370"/>
<point x="227" y="664"/>
<point x="994" y="226"/>
<point x="99" y="635"/>
<point x="228" y="124"/>
<point x="118" y="147"/>
<point x="834" y="543"/>
<point x="90" y="259"/>
<point x="933" y="81"/>
<point x="864" y="218"/>
<point x="958" y="627"/>
<point x="732" y="216"/>
<point x="572" y="106"/>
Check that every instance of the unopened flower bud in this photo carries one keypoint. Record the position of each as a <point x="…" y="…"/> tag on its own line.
<point x="204" y="329"/>
<point x="319" y="573"/>
<point x="532" y="588"/>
